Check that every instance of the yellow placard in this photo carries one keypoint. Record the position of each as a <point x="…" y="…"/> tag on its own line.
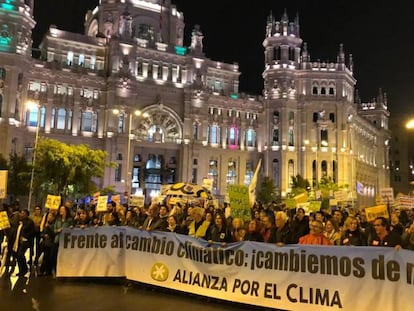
<point x="301" y="198"/>
<point x="376" y="211"/>
<point x="3" y="184"/>
<point x="137" y="200"/>
<point x="102" y="203"/>
<point x="4" y="221"/>
<point x="53" y="202"/>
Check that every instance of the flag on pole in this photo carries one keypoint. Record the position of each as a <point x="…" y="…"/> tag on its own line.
<point x="253" y="184"/>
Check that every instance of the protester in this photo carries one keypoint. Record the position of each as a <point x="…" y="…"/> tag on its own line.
<point x="21" y="239"/>
<point x="280" y="235"/>
<point x="219" y="232"/>
<point x="383" y="234"/>
<point x="315" y="236"/>
<point x="352" y="235"/>
<point x="332" y="232"/>
<point x="198" y="227"/>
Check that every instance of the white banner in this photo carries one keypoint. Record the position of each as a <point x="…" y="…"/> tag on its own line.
<point x="293" y="277"/>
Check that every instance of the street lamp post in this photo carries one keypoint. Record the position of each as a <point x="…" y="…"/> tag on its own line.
<point x="32" y="106"/>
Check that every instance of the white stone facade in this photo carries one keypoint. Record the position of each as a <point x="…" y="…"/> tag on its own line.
<point x="197" y="123"/>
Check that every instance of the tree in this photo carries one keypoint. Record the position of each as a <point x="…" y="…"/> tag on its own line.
<point x="267" y="193"/>
<point x="19" y="175"/>
<point x="3" y="163"/>
<point x="299" y="185"/>
<point x="67" y="170"/>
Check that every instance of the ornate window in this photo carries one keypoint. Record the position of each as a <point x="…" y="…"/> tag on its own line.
<point x="276" y="172"/>
<point x="249" y="173"/>
<point x="231" y="177"/>
<point x="88" y="121"/>
<point x="213" y="173"/>
<point x="250" y="138"/>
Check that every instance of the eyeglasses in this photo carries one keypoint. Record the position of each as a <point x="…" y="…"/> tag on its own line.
<point x="377" y="225"/>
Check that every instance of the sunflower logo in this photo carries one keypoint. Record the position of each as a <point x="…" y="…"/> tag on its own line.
<point x="159" y="272"/>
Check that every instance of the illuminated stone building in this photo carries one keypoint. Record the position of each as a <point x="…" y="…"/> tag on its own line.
<point x="194" y="123"/>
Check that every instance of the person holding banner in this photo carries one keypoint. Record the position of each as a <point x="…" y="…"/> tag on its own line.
<point x="280" y="235"/>
<point x="219" y="232"/>
<point x="253" y="231"/>
<point x="352" y="235"/>
<point x="315" y="236"/>
<point x="198" y="227"/>
<point x="299" y="226"/>
<point x="48" y="237"/>
<point x="63" y="220"/>
<point x="383" y="236"/>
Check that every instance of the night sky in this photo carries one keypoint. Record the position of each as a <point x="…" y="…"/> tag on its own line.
<point x="379" y="35"/>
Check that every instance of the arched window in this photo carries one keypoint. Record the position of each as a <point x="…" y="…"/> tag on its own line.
<point x="156" y="134"/>
<point x="231" y="177"/>
<point x="331" y="91"/>
<point x="315" y="117"/>
<point x="291" y="171"/>
<point x="275" y="137"/>
<point x="144" y="31"/>
<point x="291" y="137"/>
<point x="249" y="173"/>
<point x="323" y="91"/>
<point x="233" y="138"/>
<point x="250" y="138"/>
<point x="214" y="134"/>
<point x="213" y="173"/>
<point x="276" y="172"/>
<point x="332" y="117"/>
<point x="315" y="90"/>
<point x="314" y="172"/>
<point x="195" y="130"/>
<point x="324" y="167"/>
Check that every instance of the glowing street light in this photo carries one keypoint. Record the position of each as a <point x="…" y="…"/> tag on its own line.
<point x="410" y="124"/>
<point x="31" y="105"/>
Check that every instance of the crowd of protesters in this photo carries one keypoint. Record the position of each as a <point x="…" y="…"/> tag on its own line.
<point x="39" y="231"/>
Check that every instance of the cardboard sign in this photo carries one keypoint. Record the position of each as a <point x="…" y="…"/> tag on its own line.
<point x="53" y="202"/>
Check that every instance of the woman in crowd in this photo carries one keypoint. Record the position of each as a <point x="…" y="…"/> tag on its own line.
<point x="47" y="245"/>
<point x="81" y="219"/>
<point x="63" y="220"/>
<point x="352" y="235"/>
<point x="253" y="231"/>
<point x="332" y="231"/>
<point x="173" y="226"/>
<point x="219" y="231"/>
<point x="131" y="219"/>
<point x="238" y="229"/>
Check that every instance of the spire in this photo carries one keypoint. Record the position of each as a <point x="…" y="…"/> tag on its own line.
<point x="351" y="63"/>
<point x="341" y="54"/>
<point x="305" y="53"/>
<point x="269" y="26"/>
<point x="297" y="24"/>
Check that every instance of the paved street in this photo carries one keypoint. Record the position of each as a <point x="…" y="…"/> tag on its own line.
<point x="48" y="294"/>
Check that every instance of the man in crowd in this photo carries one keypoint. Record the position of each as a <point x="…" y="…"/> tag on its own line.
<point x="22" y="235"/>
<point x="383" y="235"/>
<point x="153" y="220"/>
